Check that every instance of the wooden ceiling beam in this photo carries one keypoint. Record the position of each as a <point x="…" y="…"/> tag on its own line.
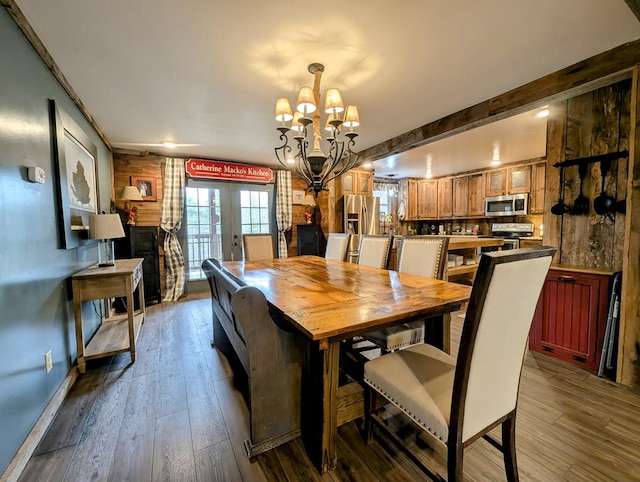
<point x="602" y="69"/>
<point x="634" y="6"/>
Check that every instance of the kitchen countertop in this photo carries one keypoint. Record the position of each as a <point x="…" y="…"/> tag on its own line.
<point x="576" y="269"/>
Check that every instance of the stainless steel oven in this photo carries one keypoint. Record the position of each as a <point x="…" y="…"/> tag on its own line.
<point x="511" y="233"/>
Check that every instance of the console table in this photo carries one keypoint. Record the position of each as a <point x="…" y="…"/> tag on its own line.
<point x="117" y="333"/>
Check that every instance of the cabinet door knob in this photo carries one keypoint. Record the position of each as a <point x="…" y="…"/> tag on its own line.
<point x="567" y="279"/>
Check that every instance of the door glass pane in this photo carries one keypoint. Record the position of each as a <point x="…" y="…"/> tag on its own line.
<point x="254" y="211"/>
<point x="204" y="230"/>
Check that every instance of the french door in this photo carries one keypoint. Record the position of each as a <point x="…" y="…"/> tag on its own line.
<point x="215" y="217"/>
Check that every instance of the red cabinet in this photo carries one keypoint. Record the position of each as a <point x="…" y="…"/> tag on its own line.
<point x="571" y="315"/>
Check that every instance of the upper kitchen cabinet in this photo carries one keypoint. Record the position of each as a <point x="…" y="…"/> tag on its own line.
<point x="357" y="181"/>
<point x="476" y="195"/>
<point x="511" y="180"/>
<point x="461" y="196"/>
<point x="468" y="196"/>
<point x="445" y="198"/>
<point x="538" y="172"/>
<point x="422" y="197"/>
<point x="427" y="199"/>
<point x="518" y="179"/>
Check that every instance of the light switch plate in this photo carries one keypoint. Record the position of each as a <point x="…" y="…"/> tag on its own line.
<point x="36" y="174"/>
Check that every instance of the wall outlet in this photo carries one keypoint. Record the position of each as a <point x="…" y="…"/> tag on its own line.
<point x="48" y="364"/>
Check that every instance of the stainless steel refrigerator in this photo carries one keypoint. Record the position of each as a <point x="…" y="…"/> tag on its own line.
<point x="361" y="216"/>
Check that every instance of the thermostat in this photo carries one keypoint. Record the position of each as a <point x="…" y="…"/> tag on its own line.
<point x="36" y="174"/>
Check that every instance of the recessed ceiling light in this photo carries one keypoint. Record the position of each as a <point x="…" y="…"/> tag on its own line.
<point x="366" y="164"/>
<point x="169" y="145"/>
<point x="543" y="113"/>
<point x="495" y="163"/>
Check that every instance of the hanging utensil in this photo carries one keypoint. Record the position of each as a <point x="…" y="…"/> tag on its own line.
<point x="581" y="204"/>
<point x="603" y="203"/>
<point x="560" y="207"/>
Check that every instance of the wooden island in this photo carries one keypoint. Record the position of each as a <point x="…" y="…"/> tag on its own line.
<point x="467" y="247"/>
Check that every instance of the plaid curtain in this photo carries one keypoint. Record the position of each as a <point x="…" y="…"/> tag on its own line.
<point x="283" y="209"/>
<point x="172" y="209"/>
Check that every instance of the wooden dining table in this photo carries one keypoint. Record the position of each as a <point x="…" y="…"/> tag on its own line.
<point x="328" y="301"/>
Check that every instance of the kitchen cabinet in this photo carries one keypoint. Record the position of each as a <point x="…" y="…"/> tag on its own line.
<point x="445" y="198"/>
<point x="508" y="180"/>
<point x="530" y="243"/>
<point x="496" y="182"/>
<point x="518" y="179"/>
<point x="476" y="195"/>
<point x="571" y="315"/>
<point x="538" y="172"/>
<point x="422" y="199"/>
<point x="461" y="196"/>
<point x="357" y="182"/>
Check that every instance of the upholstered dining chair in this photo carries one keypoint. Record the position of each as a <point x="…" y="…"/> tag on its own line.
<point x="337" y="244"/>
<point x="374" y="250"/>
<point x="257" y="247"/>
<point x="460" y="400"/>
<point x="422" y="256"/>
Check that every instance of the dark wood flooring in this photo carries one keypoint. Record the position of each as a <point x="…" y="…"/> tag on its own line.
<point x="175" y="415"/>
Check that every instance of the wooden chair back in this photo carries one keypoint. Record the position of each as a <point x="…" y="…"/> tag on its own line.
<point x="423" y="255"/>
<point x="256" y="247"/>
<point x="374" y="250"/>
<point x="494" y="338"/>
<point x="337" y="245"/>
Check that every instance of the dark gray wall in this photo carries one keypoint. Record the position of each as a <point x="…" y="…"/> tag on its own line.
<point x="36" y="313"/>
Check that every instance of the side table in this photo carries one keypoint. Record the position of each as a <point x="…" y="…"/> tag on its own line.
<point x="117" y="333"/>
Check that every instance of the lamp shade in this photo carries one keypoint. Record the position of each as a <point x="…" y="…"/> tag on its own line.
<point x="295" y="123"/>
<point x="351" y="117"/>
<point x="333" y="103"/>
<point x="105" y="226"/>
<point x="306" y="100"/>
<point x="130" y="193"/>
<point x="283" y="110"/>
<point x="308" y="200"/>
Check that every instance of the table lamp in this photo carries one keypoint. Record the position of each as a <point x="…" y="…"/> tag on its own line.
<point x="130" y="193"/>
<point x="310" y="209"/>
<point x="105" y="227"/>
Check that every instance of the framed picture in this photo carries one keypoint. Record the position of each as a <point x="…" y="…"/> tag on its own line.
<point x="298" y="197"/>
<point x="146" y="186"/>
<point x="77" y="180"/>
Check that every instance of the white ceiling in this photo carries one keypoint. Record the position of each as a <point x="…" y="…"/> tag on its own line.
<point x="207" y="73"/>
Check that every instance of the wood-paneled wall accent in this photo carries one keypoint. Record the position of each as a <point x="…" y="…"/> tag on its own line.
<point x="149" y="212"/>
<point x="629" y="351"/>
<point x="584" y="76"/>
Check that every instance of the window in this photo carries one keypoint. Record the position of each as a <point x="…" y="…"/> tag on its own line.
<point x="385" y="204"/>
<point x="204" y="230"/>
<point x="254" y="211"/>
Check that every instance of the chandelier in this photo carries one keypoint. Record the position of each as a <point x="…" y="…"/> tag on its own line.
<point x="316" y="167"/>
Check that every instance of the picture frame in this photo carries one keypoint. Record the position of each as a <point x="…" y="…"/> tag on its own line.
<point x="75" y="161"/>
<point x="298" y="197"/>
<point x="146" y="186"/>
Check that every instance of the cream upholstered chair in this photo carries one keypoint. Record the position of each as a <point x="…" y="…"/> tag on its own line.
<point x="257" y="247"/>
<point x="460" y="400"/>
<point x="422" y="256"/>
<point x="374" y="250"/>
<point x="337" y="244"/>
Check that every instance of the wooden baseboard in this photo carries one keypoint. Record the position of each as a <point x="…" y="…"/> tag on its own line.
<point x="19" y="462"/>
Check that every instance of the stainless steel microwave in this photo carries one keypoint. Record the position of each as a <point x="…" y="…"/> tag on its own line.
<point x="509" y="205"/>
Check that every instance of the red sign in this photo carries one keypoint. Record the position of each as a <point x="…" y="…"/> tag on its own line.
<point x="228" y="171"/>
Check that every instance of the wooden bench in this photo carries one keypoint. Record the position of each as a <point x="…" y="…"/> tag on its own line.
<point x="271" y="357"/>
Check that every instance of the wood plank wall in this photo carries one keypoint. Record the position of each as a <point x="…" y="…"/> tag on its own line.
<point x="597" y="122"/>
<point x="149" y="212"/>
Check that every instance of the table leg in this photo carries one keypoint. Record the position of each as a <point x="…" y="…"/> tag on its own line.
<point x="130" y="315"/>
<point x="77" y="313"/>
<point x="320" y="410"/>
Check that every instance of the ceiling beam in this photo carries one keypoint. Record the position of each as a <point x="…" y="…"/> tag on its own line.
<point x="602" y="69"/>
<point x="12" y="8"/>
<point x="634" y="6"/>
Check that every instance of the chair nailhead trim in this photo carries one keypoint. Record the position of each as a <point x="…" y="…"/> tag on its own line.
<point x="397" y="404"/>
